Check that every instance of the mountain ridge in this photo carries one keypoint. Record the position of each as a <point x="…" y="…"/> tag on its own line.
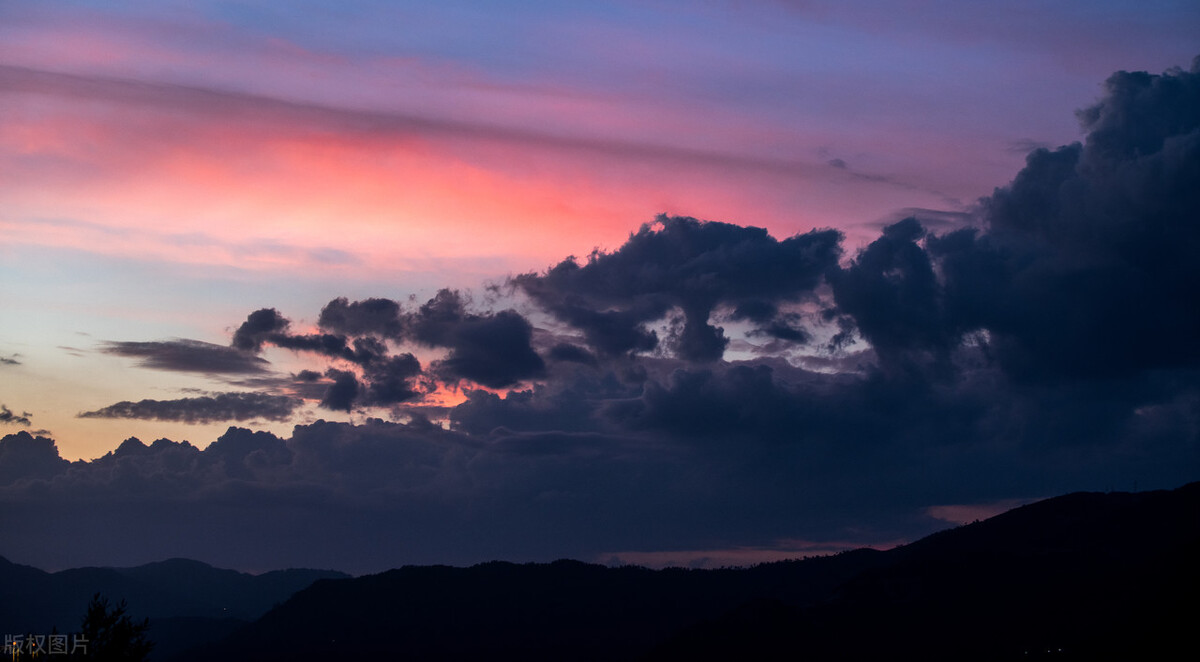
<point x="1026" y="580"/>
<point x="1114" y="560"/>
<point x="188" y="602"/>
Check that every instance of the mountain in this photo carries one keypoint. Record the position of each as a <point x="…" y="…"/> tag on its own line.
<point x="188" y="602"/>
<point x="1084" y="576"/>
<point x="562" y="610"/>
<point x="1081" y="577"/>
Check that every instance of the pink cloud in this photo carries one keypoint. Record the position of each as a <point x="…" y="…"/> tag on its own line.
<point x="195" y="175"/>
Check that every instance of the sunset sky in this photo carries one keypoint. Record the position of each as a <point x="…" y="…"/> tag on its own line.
<point x="218" y="214"/>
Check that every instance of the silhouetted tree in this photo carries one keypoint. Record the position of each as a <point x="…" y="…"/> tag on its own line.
<point x="111" y="635"/>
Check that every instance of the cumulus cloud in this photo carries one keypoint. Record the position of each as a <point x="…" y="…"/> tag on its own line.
<point x="1086" y="266"/>
<point x="26" y="457"/>
<point x="260" y="326"/>
<point x="892" y="293"/>
<point x="492" y="349"/>
<point x="374" y="316"/>
<point x="385" y="378"/>
<point x="342" y="393"/>
<point x="391" y="380"/>
<point x="749" y="456"/>
<point x="204" y="409"/>
<point x="681" y="264"/>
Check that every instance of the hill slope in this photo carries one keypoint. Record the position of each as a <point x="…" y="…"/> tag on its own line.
<point x="1093" y="574"/>
<point x="188" y="602"/>
<point x="1080" y="577"/>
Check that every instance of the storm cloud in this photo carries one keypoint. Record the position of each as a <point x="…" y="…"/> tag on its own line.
<point x="1085" y="264"/>
<point x="685" y="265"/>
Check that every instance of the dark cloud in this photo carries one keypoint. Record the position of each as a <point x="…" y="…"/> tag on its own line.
<point x="204" y="409"/>
<point x="246" y="455"/>
<point x="317" y="343"/>
<point x="1083" y="266"/>
<point x="893" y="294"/>
<point x="26" y="457"/>
<point x="386" y="379"/>
<point x="436" y="319"/>
<point x="8" y="417"/>
<point x="361" y="496"/>
<point x="569" y="353"/>
<point x="10" y="360"/>
<point x="788" y="327"/>
<point x="360" y="350"/>
<point x="185" y="355"/>
<point x="755" y="310"/>
<point x="391" y="381"/>
<point x="1087" y="267"/>
<point x="381" y="317"/>
<point x="573" y="403"/>
<point x="267" y="326"/>
<point x="686" y="265"/>
<point x="742" y="454"/>
<point x="742" y="400"/>
<point x="698" y="340"/>
<point x="259" y="326"/>
<point x="614" y="332"/>
<point x="492" y="349"/>
<point x="343" y="392"/>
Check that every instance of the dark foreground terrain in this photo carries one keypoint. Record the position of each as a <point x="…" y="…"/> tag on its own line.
<point x="187" y="602"/>
<point x="1080" y="577"/>
<point x="1084" y="577"/>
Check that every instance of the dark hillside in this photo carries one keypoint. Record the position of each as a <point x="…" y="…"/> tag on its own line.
<point x="1080" y="577"/>
<point x="561" y="610"/>
<point x="188" y="602"/>
<point x="1098" y="575"/>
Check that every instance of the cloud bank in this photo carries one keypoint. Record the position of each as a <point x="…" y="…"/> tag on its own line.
<point x="204" y="409"/>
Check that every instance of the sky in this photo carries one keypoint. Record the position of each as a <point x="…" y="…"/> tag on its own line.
<point x="362" y="284"/>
